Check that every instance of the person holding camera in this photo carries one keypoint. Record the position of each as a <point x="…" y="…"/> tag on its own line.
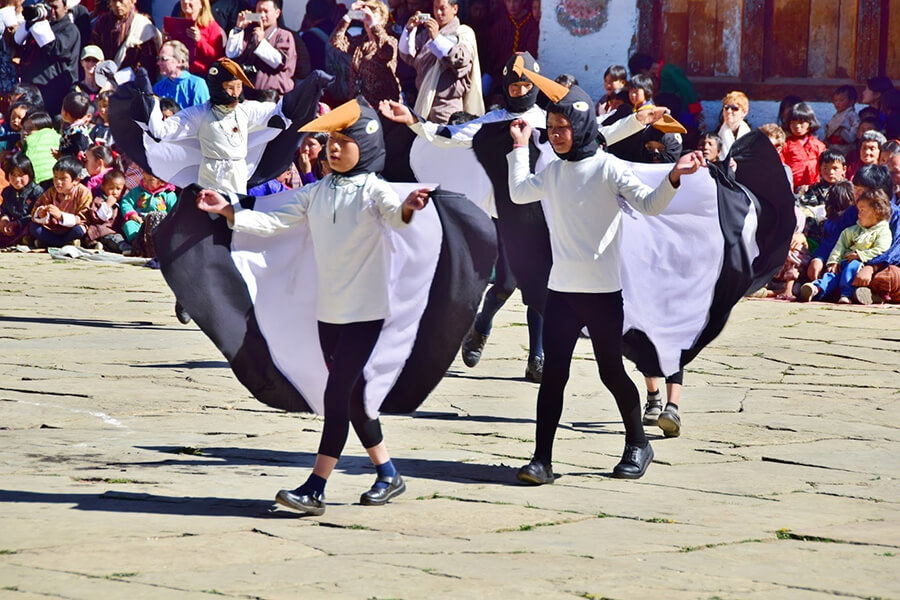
<point x="445" y="55"/>
<point x="373" y="53"/>
<point x="204" y="38"/>
<point x="266" y="52"/>
<point x="47" y="59"/>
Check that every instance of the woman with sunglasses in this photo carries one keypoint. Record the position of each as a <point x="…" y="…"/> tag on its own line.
<point x="735" y="106"/>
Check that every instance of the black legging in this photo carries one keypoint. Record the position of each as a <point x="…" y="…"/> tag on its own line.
<point x="346" y="348"/>
<point x="565" y="315"/>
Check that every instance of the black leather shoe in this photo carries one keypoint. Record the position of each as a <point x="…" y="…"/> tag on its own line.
<point x="311" y="504"/>
<point x="534" y="372"/>
<point x="182" y="315"/>
<point x="376" y="496"/>
<point x="472" y="347"/>
<point x="634" y="463"/>
<point x="536" y="473"/>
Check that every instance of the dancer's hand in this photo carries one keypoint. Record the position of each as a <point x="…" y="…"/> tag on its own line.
<point x="520" y="131"/>
<point x="396" y="112"/>
<point x="417" y="200"/>
<point x="687" y="164"/>
<point x="651" y="115"/>
<point x="214" y="202"/>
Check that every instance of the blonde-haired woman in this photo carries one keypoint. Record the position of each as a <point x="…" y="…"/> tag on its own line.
<point x="204" y="39"/>
<point x="373" y="53"/>
<point x="735" y="106"/>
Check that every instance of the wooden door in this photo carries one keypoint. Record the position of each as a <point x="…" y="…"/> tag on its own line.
<point x="773" y="47"/>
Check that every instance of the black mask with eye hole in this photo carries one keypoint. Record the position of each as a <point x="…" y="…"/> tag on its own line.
<point x="577" y="107"/>
<point x="522" y="103"/>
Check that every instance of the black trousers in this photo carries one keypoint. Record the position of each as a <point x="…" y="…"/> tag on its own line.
<point x="565" y="315"/>
<point x="346" y="348"/>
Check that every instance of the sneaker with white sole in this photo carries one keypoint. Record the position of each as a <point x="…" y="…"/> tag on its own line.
<point x="651" y="410"/>
<point x="670" y="421"/>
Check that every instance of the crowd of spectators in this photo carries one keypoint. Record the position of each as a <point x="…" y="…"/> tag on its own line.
<point x="65" y="182"/>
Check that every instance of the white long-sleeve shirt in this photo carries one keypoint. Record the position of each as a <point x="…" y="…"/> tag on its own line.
<point x="347" y="219"/>
<point x="583" y="214"/>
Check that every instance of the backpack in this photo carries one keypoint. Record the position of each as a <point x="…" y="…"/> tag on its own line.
<point x="886" y="283"/>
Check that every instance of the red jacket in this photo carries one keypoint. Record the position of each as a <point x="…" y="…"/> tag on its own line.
<point x="802" y="156"/>
<point x="210" y="48"/>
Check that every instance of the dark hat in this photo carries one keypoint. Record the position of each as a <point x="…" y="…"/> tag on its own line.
<point x="222" y="71"/>
<point x="513" y="72"/>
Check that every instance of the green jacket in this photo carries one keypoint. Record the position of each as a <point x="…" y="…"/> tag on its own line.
<point x="37" y="148"/>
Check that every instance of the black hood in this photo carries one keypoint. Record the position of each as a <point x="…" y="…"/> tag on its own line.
<point x="222" y="72"/>
<point x="578" y="108"/>
<point x="366" y="131"/>
<point x="510" y="76"/>
<point x="671" y="146"/>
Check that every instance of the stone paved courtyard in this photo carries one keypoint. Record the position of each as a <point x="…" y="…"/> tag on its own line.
<point x="135" y="466"/>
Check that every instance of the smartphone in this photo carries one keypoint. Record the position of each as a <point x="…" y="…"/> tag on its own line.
<point x="356" y="15"/>
<point x="423" y="18"/>
<point x="253" y="17"/>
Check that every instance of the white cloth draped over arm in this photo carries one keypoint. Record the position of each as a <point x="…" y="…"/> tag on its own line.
<point x="455" y="135"/>
<point x="639" y="195"/>
<point x="235" y="43"/>
<point x="407" y="43"/>
<point x="259" y="113"/>
<point x="269" y="54"/>
<point x="524" y="187"/>
<point x="269" y="223"/>
<point x="620" y="130"/>
<point x="182" y="125"/>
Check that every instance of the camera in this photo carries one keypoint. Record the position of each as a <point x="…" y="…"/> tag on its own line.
<point x="33" y="13"/>
<point x="356" y="15"/>
<point x="423" y="18"/>
<point x="253" y="17"/>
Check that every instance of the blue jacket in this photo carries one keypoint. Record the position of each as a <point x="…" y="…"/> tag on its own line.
<point x="187" y="90"/>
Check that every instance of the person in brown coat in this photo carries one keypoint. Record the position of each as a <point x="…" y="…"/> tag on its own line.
<point x="128" y="37"/>
<point x="266" y="52"/>
<point x="373" y="53"/>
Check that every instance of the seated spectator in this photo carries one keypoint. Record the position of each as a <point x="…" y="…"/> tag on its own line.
<point x="871" y="236"/>
<point x="776" y="135"/>
<point x="711" y="147"/>
<point x="100" y="128"/>
<point x="373" y="54"/>
<point x="840" y="131"/>
<point x="204" y="37"/>
<point x="615" y="78"/>
<point x="18" y="199"/>
<point x="90" y="57"/>
<point x="735" y="107"/>
<point x="566" y="79"/>
<point x="813" y="200"/>
<point x="76" y="118"/>
<point x="802" y="148"/>
<point x="27" y="93"/>
<point x="168" y="107"/>
<point x="875" y="87"/>
<point x="266" y="188"/>
<point x="128" y="37"/>
<point x="143" y="209"/>
<point x="98" y="161"/>
<point x="59" y="215"/>
<point x="175" y="81"/>
<point x="307" y="158"/>
<point x="651" y="145"/>
<point x="225" y="12"/>
<point x="11" y="134"/>
<point x="103" y="220"/>
<point x="797" y="261"/>
<point x="49" y="54"/>
<point x="787" y="103"/>
<point x="444" y="54"/>
<point x="40" y="141"/>
<point x="868" y="149"/>
<point x="890" y="158"/>
<point x="265" y="51"/>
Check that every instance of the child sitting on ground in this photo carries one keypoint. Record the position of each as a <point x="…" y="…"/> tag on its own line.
<point x="76" y="118"/>
<point x="103" y="219"/>
<point x="98" y="161"/>
<point x="832" y="169"/>
<point x="18" y="199"/>
<point x="39" y="141"/>
<point x="60" y="214"/>
<point x="614" y="79"/>
<point x="802" y="149"/>
<point x="796" y="262"/>
<point x="100" y="127"/>
<point x="859" y="243"/>
<point x="840" y="131"/>
<point x="144" y="208"/>
<point x="840" y="197"/>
